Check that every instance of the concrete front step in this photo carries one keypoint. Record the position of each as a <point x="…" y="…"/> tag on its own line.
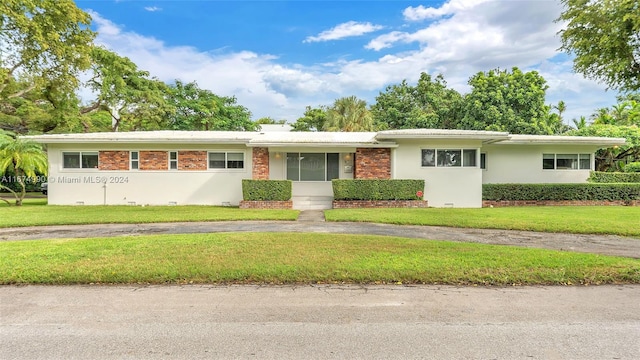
<point x="312" y="202"/>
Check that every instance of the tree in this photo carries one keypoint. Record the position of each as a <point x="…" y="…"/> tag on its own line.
<point x="349" y="114"/>
<point x="581" y="123"/>
<point x="429" y="104"/>
<point x="24" y="158"/>
<point x="312" y="120"/>
<point x="604" y="36"/>
<point x="200" y="109"/>
<point x="508" y="101"/>
<point x="44" y="44"/>
<point x="614" y="159"/>
<point x="267" y="120"/>
<point x="134" y="100"/>
<point x="561" y="107"/>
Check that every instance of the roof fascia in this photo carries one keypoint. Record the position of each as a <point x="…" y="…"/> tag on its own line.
<point x="323" y="144"/>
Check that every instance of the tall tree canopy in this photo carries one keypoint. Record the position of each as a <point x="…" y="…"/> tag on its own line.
<point x="614" y="159"/>
<point x="511" y="101"/>
<point x="312" y="120"/>
<point x="429" y="104"/>
<point x="135" y="100"/>
<point x="604" y="35"/>
<point x="349" y="114"/>
<point x="43" y="43"/>
<point x="200" y="109"/>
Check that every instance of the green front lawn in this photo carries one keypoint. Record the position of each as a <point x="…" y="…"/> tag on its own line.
<point x="279" y="258"/>
<point x="33" y="213"/>
<point x="615" y="220"/>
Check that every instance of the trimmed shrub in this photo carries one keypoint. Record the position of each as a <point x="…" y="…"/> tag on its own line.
<point x="266" y="190"/>
<point x="614" y="177"/>
<point x="377" y="189"/>
<point x="560" y="192"/>
<point x="633" y="167"/>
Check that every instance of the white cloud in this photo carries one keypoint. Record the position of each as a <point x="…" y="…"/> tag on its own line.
<point x="450" y="7"/>
<point x="344" y="30"/>
<point x="470" y="37"/>
<point x="152" y="8"/>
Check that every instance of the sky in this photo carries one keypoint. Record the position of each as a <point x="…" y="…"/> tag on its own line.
<point x="277" y="57"/>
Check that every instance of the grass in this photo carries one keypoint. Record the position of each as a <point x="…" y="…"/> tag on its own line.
<point x="277" y="258"/>
<point x="614" y="220"/>
<point x="34" y="213"/>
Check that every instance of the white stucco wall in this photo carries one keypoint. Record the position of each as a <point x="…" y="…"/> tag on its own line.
<point x="523" y="164"/>
<point x="141" y="187"/>
<point x="444" y="186"/>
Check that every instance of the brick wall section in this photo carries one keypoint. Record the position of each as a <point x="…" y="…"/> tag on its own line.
<point x="113" y="160"/>
<point x="355" y="204"/>
<point x="487" y="203"/>
<point x="260" y="164"/>
<point x="373" y="163"/>
<point x="192" y="160"/>
<point x="266" y="204"/>
<point x="154" y="160"/>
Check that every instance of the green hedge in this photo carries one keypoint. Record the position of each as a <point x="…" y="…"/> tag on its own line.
<point x="558" y="192"/>
<point x="614" y="177"/>
<point x="360" y="189"/>
<point x="633" y="167"/>
<point x="266" y="190"/>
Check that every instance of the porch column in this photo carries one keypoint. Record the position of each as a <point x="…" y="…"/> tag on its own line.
<point x="260" y="167"/>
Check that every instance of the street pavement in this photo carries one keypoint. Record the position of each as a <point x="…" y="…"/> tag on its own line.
<point x="319" y="322"/>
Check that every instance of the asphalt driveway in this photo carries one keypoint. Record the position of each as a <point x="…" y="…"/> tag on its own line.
<point x="597" y="244"/>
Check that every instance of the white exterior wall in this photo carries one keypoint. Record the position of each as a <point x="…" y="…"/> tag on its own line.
<point x="444" y="186"/>
<point x="145" y="187"/>
<point x="523" y="164"/>
<point x="278" y="170"/>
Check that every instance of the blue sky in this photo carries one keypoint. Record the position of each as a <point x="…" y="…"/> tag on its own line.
<point x="277" y="57"/>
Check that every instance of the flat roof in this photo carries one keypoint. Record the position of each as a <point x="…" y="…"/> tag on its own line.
<point x="561" y="140"/>
<point x="485" y="136"/>
<point x="162" y="136"/>
<point x="321" y="139"/>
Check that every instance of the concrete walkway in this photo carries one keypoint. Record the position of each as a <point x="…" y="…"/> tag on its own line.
<point x="314" y="222"/>
<point x="311" y="215"/>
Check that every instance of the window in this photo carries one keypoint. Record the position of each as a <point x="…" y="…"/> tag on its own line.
<point x="173" y="160"/>
<point x="313" y="166"/>
<point x="483" y="161"/>
<point x="80" y="160"/>
<point x="134" y="160"/>
<point x="566" y="161"/>
<point x="226" y="160"/>
<point x="449" y="157"/>
<point x="585" y="161"/>
<point x="469" y="158"/>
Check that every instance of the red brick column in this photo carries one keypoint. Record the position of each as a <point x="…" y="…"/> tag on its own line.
<point x="192" y="160"/>
<point x="373" y="163"/>
<point x="154" y="160"/>
<point x="113" y="160"/>
<point x="260" y="168"/>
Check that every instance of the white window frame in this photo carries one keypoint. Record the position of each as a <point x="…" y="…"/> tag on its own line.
<point x="580" y="158"/>
<point x="226" y="160"/>
<point x="326" y="162"/>
<point x="462" y="162"/>
<point x="172" y="161"/>
<point x="485" y="161"/>
<point x="80" y="156"/>
<point x="132" y="160"/>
